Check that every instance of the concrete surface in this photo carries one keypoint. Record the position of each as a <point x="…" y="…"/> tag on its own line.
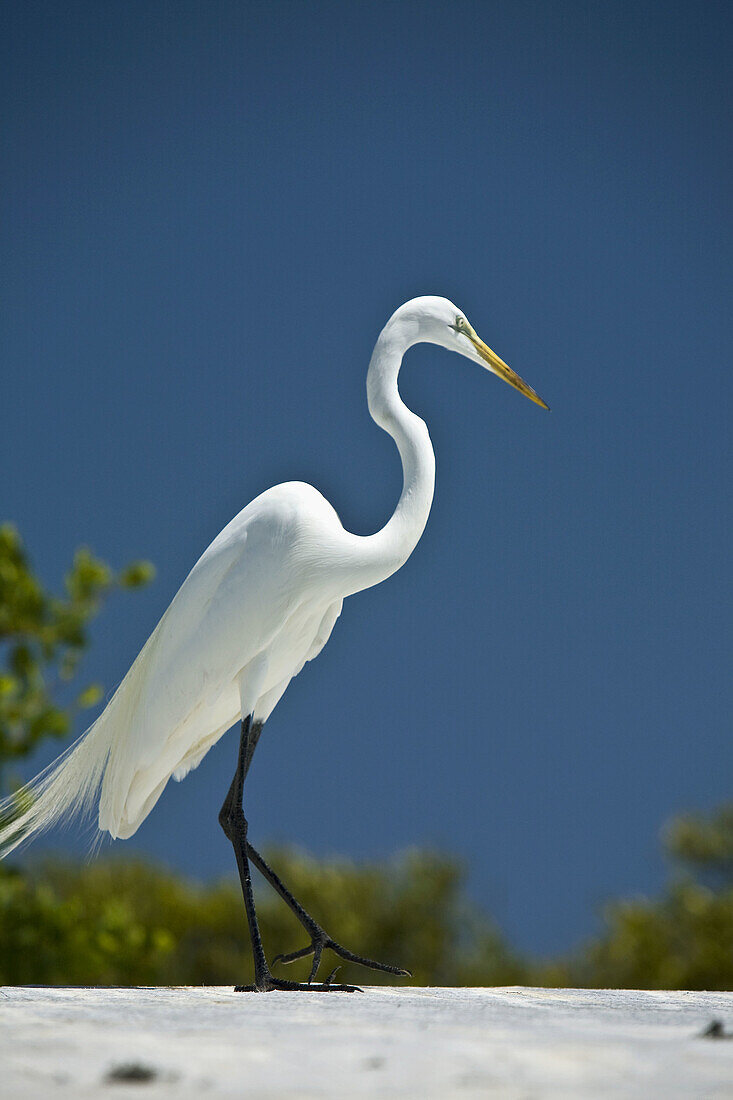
<point x="385" y="1042"/>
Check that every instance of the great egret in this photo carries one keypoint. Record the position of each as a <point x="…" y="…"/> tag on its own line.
<point x="260" y="602"/>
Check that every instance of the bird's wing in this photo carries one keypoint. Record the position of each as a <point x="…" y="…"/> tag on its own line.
<point x="267" y="702"/>
<point x="240" y="603"/>
<point x="181" y="690"/>
<point x="324" y="630"/>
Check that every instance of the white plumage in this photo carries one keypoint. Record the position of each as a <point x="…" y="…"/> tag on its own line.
<point x="259" y="603"/>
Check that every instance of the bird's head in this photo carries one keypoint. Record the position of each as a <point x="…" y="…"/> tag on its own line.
<point x="436" y="320"/>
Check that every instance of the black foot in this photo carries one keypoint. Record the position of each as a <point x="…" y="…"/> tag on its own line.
<point x="268" y="984"/>
<point x="321" y="941"/>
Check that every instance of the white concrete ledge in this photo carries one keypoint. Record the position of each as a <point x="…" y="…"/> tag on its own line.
<point x="385" y="1042"/>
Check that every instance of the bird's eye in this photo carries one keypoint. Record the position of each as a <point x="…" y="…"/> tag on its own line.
<point x="460" y="323"/>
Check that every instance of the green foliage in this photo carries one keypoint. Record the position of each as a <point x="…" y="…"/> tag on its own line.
<point x="128" y="923"/>
<point x="684" y="939"/>
<point x="42" y="638"/>
<point x="705" y="845"/>
<point x="125" y="922"/>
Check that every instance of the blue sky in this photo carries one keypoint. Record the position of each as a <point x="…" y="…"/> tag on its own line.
<point x="547" y="679"/>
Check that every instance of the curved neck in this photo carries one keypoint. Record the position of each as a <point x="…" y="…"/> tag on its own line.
<point x="383" y="553"/>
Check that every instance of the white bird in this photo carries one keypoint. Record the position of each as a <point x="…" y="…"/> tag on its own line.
<point x="260" y="602"/>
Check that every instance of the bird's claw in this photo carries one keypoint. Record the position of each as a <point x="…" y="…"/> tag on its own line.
<point x="331" y="976"/>
<point x="294" y="955"/>
<point x="269" y="984"/>
<point x="319" y="942"/>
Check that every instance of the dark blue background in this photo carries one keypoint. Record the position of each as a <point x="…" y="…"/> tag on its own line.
<point x="210" y="209"/>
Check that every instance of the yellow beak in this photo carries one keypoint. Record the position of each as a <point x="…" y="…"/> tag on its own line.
<point x="498" y="366"/>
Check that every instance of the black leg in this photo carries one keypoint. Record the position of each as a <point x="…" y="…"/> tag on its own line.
<point x="319" y="938"/>
<point x="234" y="824"/>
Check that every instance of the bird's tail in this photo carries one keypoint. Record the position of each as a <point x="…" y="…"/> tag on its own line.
<point x="68" y="787"/>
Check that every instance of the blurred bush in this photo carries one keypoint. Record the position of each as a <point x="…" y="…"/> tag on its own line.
<point x="683" y="939"/>
<point x="42" y="638"/>
<point x="125" y="922"/>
